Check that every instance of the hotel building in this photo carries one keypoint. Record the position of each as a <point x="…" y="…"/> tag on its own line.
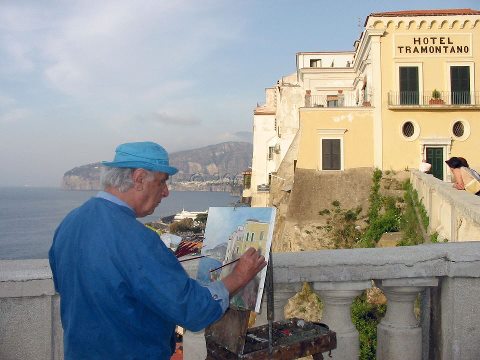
<point x="408" y="92"/>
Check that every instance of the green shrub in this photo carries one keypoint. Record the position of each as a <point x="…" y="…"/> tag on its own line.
<point x="365" y="317"/>
<point x="341" y="224"/>
<point x="409" y="223"/>
<point x="383" y="214"/>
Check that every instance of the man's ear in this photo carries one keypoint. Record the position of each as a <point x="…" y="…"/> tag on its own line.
<point x="138" y="177"/>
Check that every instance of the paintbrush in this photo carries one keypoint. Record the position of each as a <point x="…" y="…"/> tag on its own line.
<point x="193" y="258"/>
<point x="231" y="262"/>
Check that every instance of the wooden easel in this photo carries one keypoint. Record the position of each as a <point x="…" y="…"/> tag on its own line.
<point x="230" y="339"/>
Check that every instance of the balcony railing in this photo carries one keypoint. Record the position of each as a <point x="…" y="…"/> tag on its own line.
<point x="447" y="276"/>
<point x="336" y="101"/>
<point x="430" y="99"/>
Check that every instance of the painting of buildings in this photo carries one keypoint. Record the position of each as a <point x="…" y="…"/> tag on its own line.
<point x="229" y="233"/>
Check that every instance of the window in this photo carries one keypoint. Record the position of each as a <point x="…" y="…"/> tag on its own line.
<point x="409" y="92"/>
<point x="247" y="180"/>
<point x="408" y="129"/>
<point x="315" y="63"/>
<point x="261" y="235"/>
<point x="331" y="154"/>
<point x="460" y="84"/>
<point x="271" y="149"/>
<point x="458" y="129"/>
<point x="332" y="100"/>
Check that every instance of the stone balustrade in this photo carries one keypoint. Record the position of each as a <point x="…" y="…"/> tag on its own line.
<point x="450" y="326"/>
<point x="448" y="276"/>
<point x="453" y="214"/>
<point x="29" y="312"/>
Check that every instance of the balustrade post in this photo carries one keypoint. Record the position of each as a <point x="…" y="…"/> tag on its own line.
<point x="337" y="299"/>
<point x="282" y="292"/>
<point x="399" y="335"/>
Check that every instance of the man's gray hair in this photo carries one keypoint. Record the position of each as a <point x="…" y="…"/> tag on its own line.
<point x="120" y="178"/>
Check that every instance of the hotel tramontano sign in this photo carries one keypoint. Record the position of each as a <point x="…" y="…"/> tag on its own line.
<point x="433" y="44"/>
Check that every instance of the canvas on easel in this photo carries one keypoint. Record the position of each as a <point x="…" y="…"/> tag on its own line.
<point x="229" y="232"/>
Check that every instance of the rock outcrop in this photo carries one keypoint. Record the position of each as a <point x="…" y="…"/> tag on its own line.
<point x="212" y="168"/>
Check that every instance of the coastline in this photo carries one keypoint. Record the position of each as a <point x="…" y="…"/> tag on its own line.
<point x="30" y="215"/>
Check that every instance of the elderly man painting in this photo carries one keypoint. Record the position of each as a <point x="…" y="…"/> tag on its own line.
<point x="122" y="290"/>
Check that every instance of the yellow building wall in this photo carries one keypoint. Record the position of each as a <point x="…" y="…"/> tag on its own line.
<point x="357" y="139"/>
<point x="257" y="228"/>
<point x="434" y="73"/>
<point x="400" y="153"/>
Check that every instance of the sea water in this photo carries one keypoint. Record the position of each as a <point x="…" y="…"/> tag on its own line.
<point x="29" y="216"/>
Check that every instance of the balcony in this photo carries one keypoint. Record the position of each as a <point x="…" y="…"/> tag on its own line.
<point x="433" y="100"/>
<point x="341" y="100"/>
<point x="446" y="275"/>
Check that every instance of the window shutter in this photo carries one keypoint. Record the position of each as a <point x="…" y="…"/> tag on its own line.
<point x="409" y="85"/>
<point x="331" y="154"/>
<point x="460" y="84"/>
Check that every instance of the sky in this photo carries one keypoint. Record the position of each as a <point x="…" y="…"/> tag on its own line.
<point x="78" y="78"/>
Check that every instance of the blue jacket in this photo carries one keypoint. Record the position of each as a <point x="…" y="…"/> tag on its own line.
<point x="122" y="290"/>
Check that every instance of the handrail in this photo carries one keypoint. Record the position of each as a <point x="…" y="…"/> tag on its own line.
<point x="434" y="98"/>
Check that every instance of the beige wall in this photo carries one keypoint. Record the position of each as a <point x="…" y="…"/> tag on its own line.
<point x="357" y="139"/>
<point x="431" y="125"/>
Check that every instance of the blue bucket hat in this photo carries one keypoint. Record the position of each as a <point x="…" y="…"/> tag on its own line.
<point x="146" y="155"/>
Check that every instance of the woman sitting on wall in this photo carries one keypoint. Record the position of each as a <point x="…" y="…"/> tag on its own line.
<point x="464" y="178"/>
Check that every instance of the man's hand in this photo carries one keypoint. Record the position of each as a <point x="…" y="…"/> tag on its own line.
<point x="250" y="263"/>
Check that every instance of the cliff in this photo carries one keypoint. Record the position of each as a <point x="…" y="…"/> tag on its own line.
<point x="211" y="168"/>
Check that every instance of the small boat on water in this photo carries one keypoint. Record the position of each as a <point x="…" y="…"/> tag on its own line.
<point x="184" y="214"/>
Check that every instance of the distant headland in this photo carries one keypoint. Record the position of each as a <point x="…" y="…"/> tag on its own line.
<point x="216" y="167"/>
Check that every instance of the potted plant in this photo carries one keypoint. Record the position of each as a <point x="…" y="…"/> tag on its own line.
<point x="436" y="98"/>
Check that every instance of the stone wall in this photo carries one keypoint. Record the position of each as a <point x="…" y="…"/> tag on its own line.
<point x="29" y="312"/>
<point x="299" y="202"/>
<point x="454" y="214"/>
<point x="30" y="326"/>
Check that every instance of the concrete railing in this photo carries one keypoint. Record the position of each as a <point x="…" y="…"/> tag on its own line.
<point x="448" y="276"/>
<point x="29" y="312"/>
<point x="453" y="214"/>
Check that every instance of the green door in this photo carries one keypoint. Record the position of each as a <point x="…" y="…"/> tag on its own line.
<point x="435" y="157"/>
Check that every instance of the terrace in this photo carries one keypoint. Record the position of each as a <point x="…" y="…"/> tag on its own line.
<point x="339" y="100"/>
<point x="446" y="275"/>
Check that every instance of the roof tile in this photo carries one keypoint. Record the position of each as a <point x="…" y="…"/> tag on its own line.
<point x="430" y="12"/>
